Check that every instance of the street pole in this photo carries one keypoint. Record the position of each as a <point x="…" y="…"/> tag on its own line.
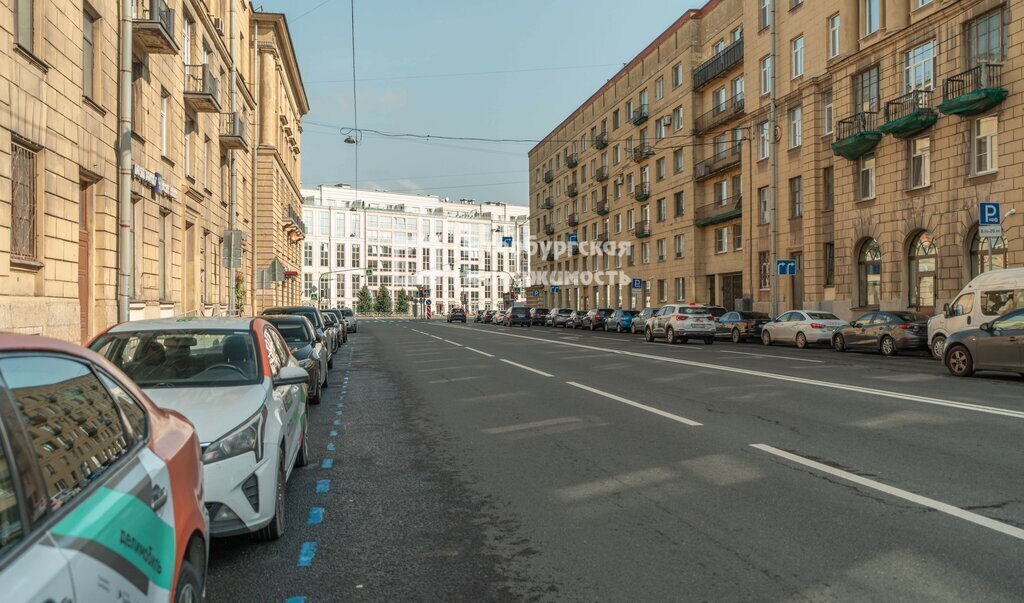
<point x="235" y="240"/>
<point x="255" y="147"/>
<point x="125" y="242"/>
<point x="772" y="149"/>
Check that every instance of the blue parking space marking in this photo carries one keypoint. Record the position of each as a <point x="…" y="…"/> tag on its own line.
<point x="323" y="486"/>
<point x="316" y="515"/>
<point x="327" y="464"/>
<point x="306" y="554"/>
<point x="338" y="413"/>
<point x="334" y="433"/>
<point x="337" y="421"/>
<point x="295" y="600"/>
<point x="331" y="446"/>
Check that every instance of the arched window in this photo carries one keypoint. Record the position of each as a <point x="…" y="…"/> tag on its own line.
<point x="923" y="264"/>
<point x="869" y="271"/>
<point x="980" y="259"/>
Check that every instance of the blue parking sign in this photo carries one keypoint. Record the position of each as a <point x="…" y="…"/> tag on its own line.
<point x="989" y="213"/>
<point x="638" y="284"/>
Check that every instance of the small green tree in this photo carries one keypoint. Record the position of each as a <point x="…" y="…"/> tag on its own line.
<point x="402" y="302"/>
<point x="364" y="301"/>
<point x="383" y="302"/>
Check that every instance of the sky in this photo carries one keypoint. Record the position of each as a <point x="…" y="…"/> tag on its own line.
<point x="460" y="68"/>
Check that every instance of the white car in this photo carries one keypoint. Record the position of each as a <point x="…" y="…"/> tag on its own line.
<point x="236" y="381"/>
<point x="681" y="323"/>
<point x="988" y="296"/>
<point x="802" y="327"/>
<point x="350" y="318"/>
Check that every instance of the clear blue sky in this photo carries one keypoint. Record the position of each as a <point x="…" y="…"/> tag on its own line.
<point x="553" y="55"/>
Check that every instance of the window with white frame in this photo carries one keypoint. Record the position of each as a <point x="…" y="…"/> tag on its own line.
<point x="659" y="168"/>
<point x="766" y="75"/>
<point x="677" y="119"/>
<point x="986" y="39"/>
<point x="796" y="197"/>
<point x="866" y="176"/>
<point x="661" y="250"/>
<point x="722" y="239"/>
<point x="920" y="3"/>
<point x="764" y="205"/>
<point x="680" y="245"/>
<point x="659" y="129"/>
<point x="763" y="140"/>
<point x="718" y="47"/>
<point x="872" y="15"/>
<point x="737" y="238"/>
<point x="833" y="36"/>
<point x="680" y="288"/>
<point x="920" y="160"/>
<point x="645" y="253"/>
<point x="718" y="100"/>
<point x="679" y="200"/>
<point x="826" y="111"/>
<point x="765" y="270"/>
<point x="796" y="131"/>
<point x="677" y="160"/>
<point x="677" y="75"/>
<point x="659" y="89"/>
<point x="764" y="14"/>
<point x="985" y="147"/>
<point x="919" y="67"/>
<point x="721" y="192"/>
<point x="797" y="52"/>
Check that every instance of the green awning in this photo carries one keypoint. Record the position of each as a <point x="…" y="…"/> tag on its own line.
<point x="975" y="102"/>
<point x="854" y="146"/>
<point x="719" y="218"/>
<point x="909" y="125"/>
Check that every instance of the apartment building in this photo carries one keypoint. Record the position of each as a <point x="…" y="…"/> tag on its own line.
<point x="467" y="253"/>
<point x="193" y="106"/>
<point x="895" y="118"/>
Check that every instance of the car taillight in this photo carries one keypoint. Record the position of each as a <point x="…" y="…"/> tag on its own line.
<point x="815" y="325"/>
<point x="681" y="316"/>
<point x="908" y="326"/>
<point x="747" y="325"/>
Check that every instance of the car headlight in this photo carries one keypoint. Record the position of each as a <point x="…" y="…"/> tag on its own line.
<point x="309" y="363"/>
<point x="247" y="437"/>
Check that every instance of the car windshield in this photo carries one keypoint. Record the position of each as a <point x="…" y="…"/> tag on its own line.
<point x="194" y="358"/>
<point x="754" y="316"/>
<point x="346" y="312"/>
<point x="310" y="313"/>
<point x="822" y="316"/>
<point x="293" y="332"/>
<point x="910" y="316"/>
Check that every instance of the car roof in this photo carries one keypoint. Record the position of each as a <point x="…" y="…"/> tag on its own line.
<point x="219" y="323"/>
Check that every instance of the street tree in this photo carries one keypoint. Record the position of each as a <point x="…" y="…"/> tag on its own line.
<point x="402" y="302"/>
<point x="383" y="302"/>
<point x="364" y="301"/>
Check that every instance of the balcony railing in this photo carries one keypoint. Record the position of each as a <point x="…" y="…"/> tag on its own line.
<point x="549" y="176"/>
<point x="549" y="229"/>
<point x="602" y="237"/>
<point x="572" y="160"/>
<point x="640" y="115"/>
<point x="909" y="114"/>
<point x="573" y="219"/>
<point x="602" y="208"/>
<point x="294" y="221"/>
<point x="642" y="191"/>
<point x="722" y="160"/>
<point x="719" y="211"/>
<point x="718" y="65"/>
<point x="201" y="89"/>
<point x="642" y="152"/>
<point x="642" y="229"/>
<point x="233" y="132"/>
<point x="719" y="115"/>
<point x="601" y="140"/>
<point x="547" y="203"/>
<point x="857" y="135"/>
<point x="974" y="91"/>
<point x="601" y="173"/>
<point x="153" y="27"/>
<point x="572" y="190"/>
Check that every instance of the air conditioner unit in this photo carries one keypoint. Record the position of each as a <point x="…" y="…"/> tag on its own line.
<point x="218" y="25"/>
<point x="618" y="180"/>
<point x="666" y="121"/>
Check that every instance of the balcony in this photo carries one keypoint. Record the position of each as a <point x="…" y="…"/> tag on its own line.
<point x="909" y="114"/>
<point x="153" y="27"/>
<point x="857" y="135"/>
<point x="547" y="204"/>
<point x="602" y="208"/>
<point x="642" y="191"/>
<point x="549" y="229"/>
<point x="549" y="176"/>
<point x="719" y="211"/>
<point x="201" y="90"/>
<point x="572" y="190"/>
<point x="718" y="65"/>
<point x="720" y="161"/>
<point x="601" y="173"/>
<point x="642" y="152"/>
<point x="601" y="141"/>
<point x="642" y="229"/>
<point x="574" y="249"/>
<point x="572" y="160"/>
<point x="232" y="132"/>
<point x="573" y="219"/>
<point x="293" y="225"/>
<point x="639" y="116"/>
<point x="720" y="114"/>
<point x="974" y="91"/>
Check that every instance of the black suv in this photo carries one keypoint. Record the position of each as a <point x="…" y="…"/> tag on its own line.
<point x="518" y="316"/>
<point x="538" y="316"/>
<point x="457" y="315"/>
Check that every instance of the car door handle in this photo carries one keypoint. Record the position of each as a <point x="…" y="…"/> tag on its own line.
<point x="968" y="320"/>
<point x="158" y="498"/>
<point x="1013" y="339"/>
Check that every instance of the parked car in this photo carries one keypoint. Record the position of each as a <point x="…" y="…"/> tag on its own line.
<point x="343" y="326"/>
<point x="300" y="336"/>
<point x="518" y="315"/>
<point x="350" y="319"/>
<point x="887" y="332"/>
<point x="478" y="316"/>
<point x="315" y="317"/>
<point x="596" y="319"/>
<point x="640" y="320"/>
<point x="334" y="330"/>
<point x="100" y="489"/>
<point x="681" y="323"/>
<point x="236" y="381"/>
<point x="538" y="316"/>
<point x="576" y="320"/>
<point x="488" y="316"/>
<point x="993" y="346"/>
<point x="987" y="296"/>
<point x="741" y="326"/>
<point x="716" y="311"/>
<point x="499" y="317"/>
<point x="457" y="315"/>
<point x="559" y="317"/>
<point x="621" y="320"/>
<point x="802" y="327"/>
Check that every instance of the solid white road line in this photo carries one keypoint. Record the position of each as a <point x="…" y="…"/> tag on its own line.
<point x="453" y="343"/>
<point x="957" y="512"/>
<point x="479" y="352"/>
<point x="420" y="332"/>
<point x="772" y="356"/>
<point x="438" y="338"/>
<point x="526" y="368"/>
<point x="533" y="425"/>
<point x="656" y="411"/>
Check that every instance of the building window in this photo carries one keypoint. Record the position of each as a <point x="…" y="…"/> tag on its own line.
<point x="796" y="197"/>
<point x="920" y="160"/>
<point x="865" y="88"/>
<point x="986" y="39"/>
<point x="680" y="288"/>
<point x="645" y="253"/>
<point x="833" y="36"/>
<point x="24" y="13"/>
<point x="679" y="246"/>
<point x="798" y="57"/>
<point x="307" y="285"/>
<point x="764" y="14"/>
<point x="718" y="100"/>
<point x="307" y="254"/>
<point x="165" y="108"/>
<point x="796" y="128"/>
<point x="191" y="127"/>
<point x="981" y="261"/>
<point x="357" y="256"/>
<point x="737" y="237"/>
<point x="661" y="290"/>
<point x="763" y="203"/>
<point x="720" y="192"/>
<point x="921" y="3"/>
<point x="677" y="160"/>
<point x="325" y="255"/>
<point x="869" y="270"/>
<point x="680" y="204"/>
<point x="677" y="119"/>
<point x="24" y="201"/>
<point x="872" y="16"/>
<point x="826" y="111"/>
<point x="920" y="67"/>
<point x="923" y="266"/>
<point x="722" y="239"/>
<point x="615" y="119"/>
<point x="661" y="250"/>
<point x="339" y="255"/>
<point x="828" y="187"/>
<point x="659" y="169"/>
<point x="88" y="54"/>
<point x="662" y="209"/>
<point x="766" y="75"/>
<point x="985" y="149"/>
<point x="659" y="89"/>
<point x="830" y="264"/>
<point x="677" y="75"/>
<point x="764" y="264"/>
<point x="763" y="141"/>
<point x="866" y="179"/>
<point x="163" y="257"/>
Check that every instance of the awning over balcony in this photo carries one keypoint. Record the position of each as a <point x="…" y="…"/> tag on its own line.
<point x="974" y="91"/>
<point x="857" y="135"/>
<point x="909" y="114"/>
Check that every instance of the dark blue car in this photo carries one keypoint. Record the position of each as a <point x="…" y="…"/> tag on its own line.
<point x="621" y="320"/>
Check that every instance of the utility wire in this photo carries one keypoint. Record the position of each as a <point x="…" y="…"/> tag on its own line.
<point x="467" y="74"/>
<point x="355" y="96"/>
<point x="314" y="9"/>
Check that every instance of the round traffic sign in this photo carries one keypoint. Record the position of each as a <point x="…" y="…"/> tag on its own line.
<point x="429" y="302"/>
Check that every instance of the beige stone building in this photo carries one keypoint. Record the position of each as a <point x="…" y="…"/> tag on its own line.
<point x="895" y="119"/>
<point x="193" y="160"/>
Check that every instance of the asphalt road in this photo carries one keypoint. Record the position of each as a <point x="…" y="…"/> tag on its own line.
<point x="474" y="462"/>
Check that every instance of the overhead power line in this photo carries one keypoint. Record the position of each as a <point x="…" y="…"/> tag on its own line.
<point x="467" y="73"/>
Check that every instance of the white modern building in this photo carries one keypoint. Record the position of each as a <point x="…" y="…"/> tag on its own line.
<point x="467" y="253"/>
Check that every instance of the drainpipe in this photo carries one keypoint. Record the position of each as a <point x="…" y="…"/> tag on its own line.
<point x="773" y="149"/>
<point x="255" y="146"/>
<point x="125" y="250"/>
<point x="233" y="192"/>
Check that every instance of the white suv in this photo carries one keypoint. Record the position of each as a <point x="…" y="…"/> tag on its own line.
<point x="681" y="323"/>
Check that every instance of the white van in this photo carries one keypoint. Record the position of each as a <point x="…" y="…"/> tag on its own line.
<point x="986" y="297"/>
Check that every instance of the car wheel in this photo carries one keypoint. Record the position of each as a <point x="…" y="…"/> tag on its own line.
<point x="670" y="335"/>
<point x="938" y="347"/>
<point x="709" y="340"/>
<point x="275" y="529"/>
<point x="766" y="338"/>
<point x="327" y="375"/>
<point x="189" y="589"/>
<point x="632" y="329"/>
<point x="839" y="343"/>
<point x="330" y="363"/>
<point x="592" y="329"/>
<point x="735" y="336"/>
<point x="302" y="458"/>
<point x="314" y="396"/>
<point x="618" y="328"/>
<point x="801" y="340"/>
<point x="959" y="362"/>
<point x="648" y="335"/>
<point x="604" y="327"/>
<point x="888" y="346"/>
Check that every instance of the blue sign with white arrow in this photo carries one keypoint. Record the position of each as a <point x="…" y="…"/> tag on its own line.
<point x="506" y="241"/>
<point x="785" y="267"/>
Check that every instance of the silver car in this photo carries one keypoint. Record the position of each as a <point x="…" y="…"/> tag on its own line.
<point x="640" y="320"/>
<point x="681" y="323"/>
<point x="802" y="327"/>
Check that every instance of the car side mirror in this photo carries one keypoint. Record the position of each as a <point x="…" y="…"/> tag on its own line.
<point x="987" y="327"/>
<point x="291" y="375"/>
<point x="319" y="335"/>
<point x="853" y="323"/>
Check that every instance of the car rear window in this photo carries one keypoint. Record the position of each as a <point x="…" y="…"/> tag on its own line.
<point x="822" y="316"/>
<point x="564" y="312"/>
<point x="293" y="332"/>
<point x="631" y="312"/>
<point x="347" y="313"/>
<point x="693" y="311"/>
<point x="520" y="311"/>
<point x="910" y="316"/>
